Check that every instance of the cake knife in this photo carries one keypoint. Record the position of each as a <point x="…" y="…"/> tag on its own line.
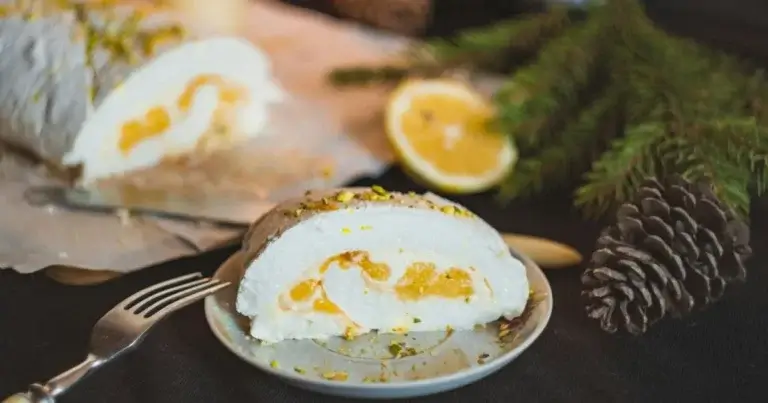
<point x="114" y="199"/>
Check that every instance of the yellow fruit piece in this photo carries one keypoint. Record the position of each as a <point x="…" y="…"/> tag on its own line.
<point x="439" y="129"/>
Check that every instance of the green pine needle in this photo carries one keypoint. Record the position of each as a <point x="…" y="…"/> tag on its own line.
<point x="534" y="94"/>
<point x="554" y="164"/>
<point x="358" y="76"/>
<point x="478" y="45"/>
<point x="473" y="47"/>
<point x="618" y="172"/>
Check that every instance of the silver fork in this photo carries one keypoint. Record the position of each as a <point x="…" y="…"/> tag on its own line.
<point x="123" y="328"/>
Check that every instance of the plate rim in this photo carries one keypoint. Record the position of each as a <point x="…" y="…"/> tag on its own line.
<point x="471" y="372"/>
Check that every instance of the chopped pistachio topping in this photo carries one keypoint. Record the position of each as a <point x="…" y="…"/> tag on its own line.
<point x="344" y="196"/>
<point x="376" y="193"/>
<point x="399" y="350"/>
<point x="349" y="333"/>
<point x="101" y="28"/>
<point x="335" y="376"/>
<point x="378" y="190"/>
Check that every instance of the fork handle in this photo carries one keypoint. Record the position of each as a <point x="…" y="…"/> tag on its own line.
<point x="46" y="393"/>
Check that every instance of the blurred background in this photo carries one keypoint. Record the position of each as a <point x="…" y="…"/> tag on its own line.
<point x="735" y="25"/>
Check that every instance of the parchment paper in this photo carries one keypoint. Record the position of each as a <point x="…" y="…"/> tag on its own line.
<point x="319" y="138"/>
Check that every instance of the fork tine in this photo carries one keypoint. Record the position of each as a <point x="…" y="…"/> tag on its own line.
<point x="180" y="294"/>
<point x="189" y="299"/>
<point x="141" y="306"/>
<point x="141" y="294"/>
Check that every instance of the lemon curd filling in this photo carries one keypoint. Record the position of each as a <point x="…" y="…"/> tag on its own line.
<point x="420" y="280"/>
<point x="228" y="93"/>
<point x="158" y="119"/>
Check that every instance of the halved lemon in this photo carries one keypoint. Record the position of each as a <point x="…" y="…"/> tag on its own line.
<point x="439" y="130"/>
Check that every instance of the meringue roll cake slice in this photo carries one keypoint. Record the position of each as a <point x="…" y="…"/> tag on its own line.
<point x="352" y="261"/>
<point x="104" y="88"/>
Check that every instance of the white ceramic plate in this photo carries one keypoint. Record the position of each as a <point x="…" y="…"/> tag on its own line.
<point x="365" y="367"/>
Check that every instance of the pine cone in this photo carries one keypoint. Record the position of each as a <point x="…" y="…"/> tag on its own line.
<point x="408" y="17"/>
<point x="672" y="251"/>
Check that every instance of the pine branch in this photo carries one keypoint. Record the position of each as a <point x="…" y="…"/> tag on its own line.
<point x="702" y="161"/>
<point x="615" y="176"/>
<point x="572" y="152"/>
<point x="361" y="76"/>
<point x="688" y="109"/>
<point x="732" y="154"/>
<point x="552" y="82"/>
<point x="756" y="94"/>
<point x="743" y="143"/>
<point x="471" y="47"/>
<point x="741" y="137"/>
<point x="477" y="45"/>
<point x="679" y="84"/>
<point x="710" y="82"/>
<point x="690" y="83"/>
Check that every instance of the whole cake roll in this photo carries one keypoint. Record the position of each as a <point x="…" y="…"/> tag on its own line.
<point x="114" y="87"/>
<point x="347" y="262"/>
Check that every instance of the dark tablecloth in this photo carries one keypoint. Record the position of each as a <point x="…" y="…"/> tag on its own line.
<point x="720" y="355"/>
